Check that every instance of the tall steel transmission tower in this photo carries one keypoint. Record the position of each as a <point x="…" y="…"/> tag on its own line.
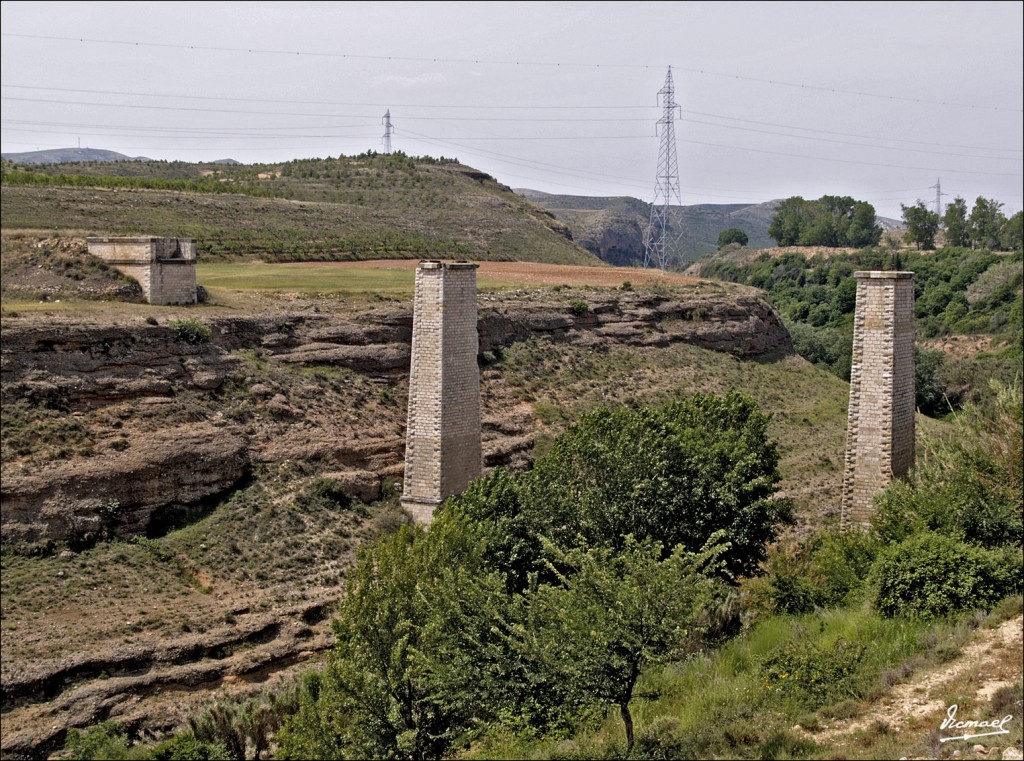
<point x="937" y="187"/>
<point x="658" y="241"/>
<point x="388" y="129"/>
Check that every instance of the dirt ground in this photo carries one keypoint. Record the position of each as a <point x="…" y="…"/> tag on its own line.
<point x="989" y="663"/>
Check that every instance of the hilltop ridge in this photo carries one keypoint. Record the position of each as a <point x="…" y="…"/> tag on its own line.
<point x="333" y="209"/>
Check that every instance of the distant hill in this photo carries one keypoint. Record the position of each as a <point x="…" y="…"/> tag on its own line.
<point x="613" y="227"/>
<point x="347" y="208"/>
<point x="68" y="155"/>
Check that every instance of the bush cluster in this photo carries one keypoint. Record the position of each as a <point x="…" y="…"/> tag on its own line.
<point x="946" y="539"/>
<point x="812" y="674"/>
<point x="933" y="575"/>
<point x="191" y="331"/>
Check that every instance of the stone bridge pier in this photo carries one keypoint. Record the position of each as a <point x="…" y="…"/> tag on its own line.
<point x="880" y="430"/>
<point x="442" y="451"/>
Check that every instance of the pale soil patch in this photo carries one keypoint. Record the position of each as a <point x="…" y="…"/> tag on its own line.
<point x="989" y="663"/>
<point x="963" y="347"/>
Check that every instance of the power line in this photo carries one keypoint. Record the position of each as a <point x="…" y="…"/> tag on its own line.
<point x="561" y="169"/>
<point x="847" y="142"/>
<point x="146" y="133"/>
<point x="478" y="61"/>
<point x="851" y="134"/>
<point x="168" y="128"/>
<point x="503" y="106"/>
<point x="292" y="113"/>
<point x="516" y="119"/>
<point x="850" y="161"/>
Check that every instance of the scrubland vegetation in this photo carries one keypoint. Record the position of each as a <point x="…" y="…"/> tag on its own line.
<point x="958" y="292"/>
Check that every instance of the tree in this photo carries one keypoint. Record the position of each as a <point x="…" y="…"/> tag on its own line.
<point x="732" y="235"/>
<point x="674" y="475"/>
<point x="510" y="534"/>
<point x="619" y="612"/>
<point x="986" y="223"/>
<point x="863" y="229"/>
<point x="376" y="700"/>
<point x="1013" y="232"/>
<point x="831" y="221"/>
<point x="922" y="225"/>
<point x="787" y="221"/>
<point x="955" y="222"/>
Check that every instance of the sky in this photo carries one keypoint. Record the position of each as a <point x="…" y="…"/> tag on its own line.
<point x="879" y="101"/>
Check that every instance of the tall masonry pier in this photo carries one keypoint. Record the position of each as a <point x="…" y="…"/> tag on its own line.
<point x="442" y="447"/>
<point x="880" y="431"/>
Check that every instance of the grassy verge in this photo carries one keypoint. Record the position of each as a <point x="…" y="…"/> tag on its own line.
<point x="729" y="703"/>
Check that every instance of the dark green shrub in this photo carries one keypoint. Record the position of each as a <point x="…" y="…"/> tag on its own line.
<point x="732" y="235"/>
<point x="969" y="484"/>
<point x="824" y="570"/>
<point x="783" y="744"/>
<point x="790" y="586"/>
<point x="186" y="747"/>
<point x="934" y="575"/>
<point x="103" y="741"/>
<point x="326" y="493"/>
<point x="579" y="307"/>
<point x="191" y="331"/>
<point x="842" y="561"/>
<point x="811" y="674"/>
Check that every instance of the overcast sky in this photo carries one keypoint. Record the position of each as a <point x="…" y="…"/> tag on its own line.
<point x="878" y="101"/>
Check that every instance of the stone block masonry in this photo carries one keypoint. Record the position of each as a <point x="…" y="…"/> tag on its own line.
<point x="442" y="450"/>
<point x="164" y="267"/>
<point x="880" y="433"/>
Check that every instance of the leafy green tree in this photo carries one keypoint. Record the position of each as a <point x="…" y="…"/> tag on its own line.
<point x="922" y="225"/>
<point x="374" y="702"/>
<point x="788" y="221"/>
<point x="732" y="235"/>
<point x="864" y="229"/>
<point x="986" y="223"/>
<point x="831" y="221"/>
<point x="619" y="612"/>
<point x="1013" y="232"/>
<point x="674" y="475"/>
<point x="494" y="504"/>
<point x="955" y="221"/>
<point x="429" y="650"/>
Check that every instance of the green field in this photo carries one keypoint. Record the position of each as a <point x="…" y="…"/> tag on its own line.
<point x="310" y="279"/>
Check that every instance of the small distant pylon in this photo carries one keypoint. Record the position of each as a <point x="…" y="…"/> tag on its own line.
<point x="937" y="187"/>
<point x="388" y="129"/>
<point x="658" y="246"/>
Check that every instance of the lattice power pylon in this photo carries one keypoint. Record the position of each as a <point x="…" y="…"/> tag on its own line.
<point x="662" y="235"/>
<point x="388" y="129"/>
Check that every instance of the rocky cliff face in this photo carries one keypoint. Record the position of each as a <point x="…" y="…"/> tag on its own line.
<point x="128" y="382"/>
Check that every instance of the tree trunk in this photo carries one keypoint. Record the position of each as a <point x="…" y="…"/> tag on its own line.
<point x="627" y="719"/>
